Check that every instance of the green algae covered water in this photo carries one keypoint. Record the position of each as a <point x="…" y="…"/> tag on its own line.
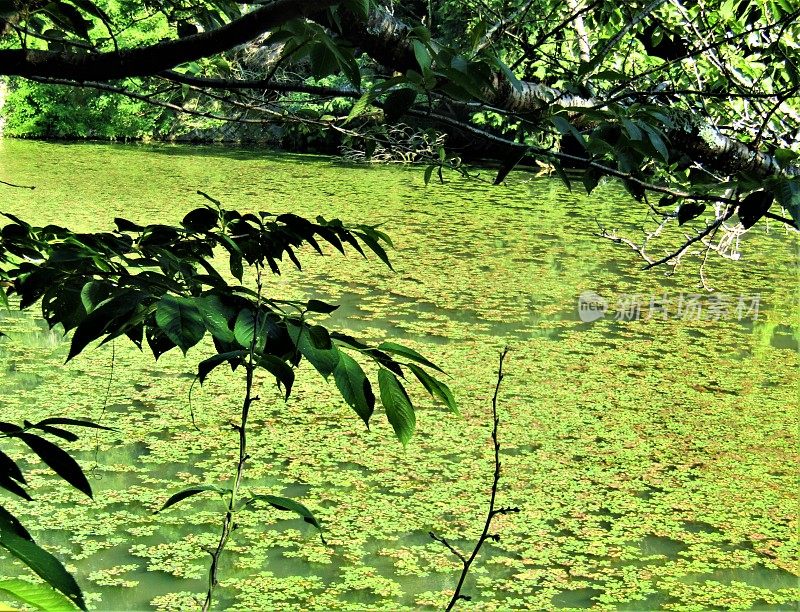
<point x="653" y="450"/>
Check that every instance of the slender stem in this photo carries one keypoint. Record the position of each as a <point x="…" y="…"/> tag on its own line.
<point x="466" y="562"/>
<point x="228" y="525"/>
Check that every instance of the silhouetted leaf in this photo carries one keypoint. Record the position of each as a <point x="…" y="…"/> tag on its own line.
<point x="57" y="460"/>
<point x="319" y="306"/>
<point x="754" y="207"/>
<point x="689" y="211"/>
<point x="201" y="219"/>
<point x="190" y="492"/>
<point x="289" y="505"/>
<point x="75" y="422"/>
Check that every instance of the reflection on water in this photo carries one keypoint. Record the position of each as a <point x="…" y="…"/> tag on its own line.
<point x="654" y="460"/>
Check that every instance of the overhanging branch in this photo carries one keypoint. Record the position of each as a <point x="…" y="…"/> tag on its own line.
<point x="153" y="59"/>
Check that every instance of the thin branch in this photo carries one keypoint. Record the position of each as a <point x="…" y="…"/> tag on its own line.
<point x="7" y="184"/>
<point x="710" y="229"/>
<point x="467" y="562"/>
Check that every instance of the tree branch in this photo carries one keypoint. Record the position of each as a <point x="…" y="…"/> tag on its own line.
<point x="147" y="61"/>
<point x="466" y="562"/>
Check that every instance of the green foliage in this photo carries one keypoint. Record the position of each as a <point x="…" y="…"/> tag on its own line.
<point x="37" y="596"/>
<point x="159" y="285"/>
<point x="55" y="111"/>
<point x="15" y="538"/>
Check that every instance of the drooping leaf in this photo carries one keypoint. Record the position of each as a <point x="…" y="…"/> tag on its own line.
<point x="190" y="492"/>
<point x="7" y="483"/>
<point x="315" y="345"/>
<point x="57" y="460"/>
<point x="101" y="318"/>
<point x="408" y="353"/>
<point x="180" y="320"/>
<point x="215" y="317"/>
<point x="281" y="370"/>
<point x="399" y="409"/>
<point x="511" y="160"/>
<point x="10" y="467"/>
<point x="565" y="127"/>
<point x="435" y="387"/>
<point x="204" y="367"/>
<point x="754" y="207"/>
<point x="354" y="386"/>
<point x="376" y="248"/>
<point x="289" y="505"/>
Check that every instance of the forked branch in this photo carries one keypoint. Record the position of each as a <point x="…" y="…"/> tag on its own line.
<point x="467" y="562"/>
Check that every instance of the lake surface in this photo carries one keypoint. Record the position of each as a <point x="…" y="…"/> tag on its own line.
<point x="654" y="458"/>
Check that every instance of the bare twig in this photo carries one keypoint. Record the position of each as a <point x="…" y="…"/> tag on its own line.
<point x="466" y="562"/>
<point x="7" y="184"/>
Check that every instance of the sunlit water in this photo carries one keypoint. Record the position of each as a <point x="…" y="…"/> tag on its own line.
<point x="654" y="459"/>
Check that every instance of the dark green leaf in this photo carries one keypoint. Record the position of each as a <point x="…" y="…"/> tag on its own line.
<point x="376" y="248"/>
<point x="509" y="163"/>
<point x="399" y="409"/>
<point x="422" y="54"/>
<point x="215" y="317"/>
<point x="398" y="102"/>
<point x="435" y="387"/>
<point x="15" y="539"/>
<point x="354" y="387"/>
<point x="408" y="353"/>
<point x="289" y="505"/>
<point x="282" y="371"/>
<point x="191" y="491"/>
<point x="181" y="321"/>
<point x="311" y="342"/>
<point x="57" y="460"/>
<point x="100" y="319"/>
